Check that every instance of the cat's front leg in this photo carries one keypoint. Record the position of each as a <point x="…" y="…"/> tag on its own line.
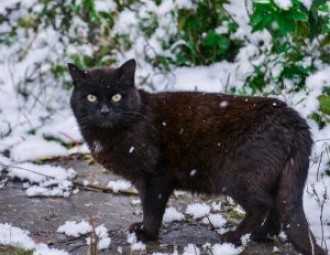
<point x="154" y="194"/>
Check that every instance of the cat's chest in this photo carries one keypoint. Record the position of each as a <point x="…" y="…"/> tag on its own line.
<point x="117" y="156"/>
<point x="111" y="150"/>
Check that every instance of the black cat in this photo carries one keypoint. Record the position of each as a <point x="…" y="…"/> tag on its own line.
<point x="254" y="149"/>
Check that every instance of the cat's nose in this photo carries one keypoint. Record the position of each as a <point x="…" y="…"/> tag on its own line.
<point x="105" y="110"/>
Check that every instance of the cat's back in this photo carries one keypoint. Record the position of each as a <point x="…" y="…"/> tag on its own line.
<point x="200" y="108"/>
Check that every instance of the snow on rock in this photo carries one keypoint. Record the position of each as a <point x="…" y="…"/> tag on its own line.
<point x="216" y="220"/>
<point x="191" y="249"/>
<point x="34" y="148"/>
<point x="135" y="245"/>
<point x="119" y="185"/>
<point x="14" y="236"/>
<point x="75" y="229"/>
<point x="172" y="214"/>
<point x="198" y="210"/>
<point x="226" y="249"/>
<point x="131" y="238"/>
<point x="44" y="180"/>
<point x="104" y="239"/>
<point x="139" y="246"/>
<point x="43" y="249"/>
<point x="17" y="237"/>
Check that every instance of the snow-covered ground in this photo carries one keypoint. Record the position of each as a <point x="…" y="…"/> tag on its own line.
<point x="30" y="129"/>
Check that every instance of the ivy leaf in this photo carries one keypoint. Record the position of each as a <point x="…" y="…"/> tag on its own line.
<point x="285" y="26"/>
<point x="324" y="7"/>
<point x="324" y="104"/>
<point x="296" y="15"/>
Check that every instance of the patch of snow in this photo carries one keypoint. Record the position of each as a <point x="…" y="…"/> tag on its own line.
<point x="103" y="235"/>
<point x="226" y="249"/>
<point x="44" y="180"/>
<point x="283" y="4"/>
<point x="198" y="210"/>
<point x="34" y="148"/>
<point x="119" y="185"/>
<point x="131" y="238"/>
<point x="216" y="220"/>
<point x="216" y="206"/>
<point x="245" y="239"/>
<point x="172" y="214"/>
<point x="74" y="228"/>
<point x="136" y="201"/>
<point x="191" y="249"/>
<point x="139" y="246"/>
<point x="16" y="237"/>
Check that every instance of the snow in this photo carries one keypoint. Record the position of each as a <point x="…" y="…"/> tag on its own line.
<point x="191" y="249"/>
<point x="44" y="180"/>
<point x="17" y="237"/>
<point x="283" y="4"/>
<point x="34" y="148"/>
<point x="226" y="249"/>
<point x="25" y="125"/>
<point x="119" y="185"/>
<point x="75" y="229"/>
<point x="172" y="214"/>
<point x="135" y="245"/>
<point x="10" y="235"/>
<point x="198" y="210"/>
<point x="216" y="220"/>
<point x="104" y="240"/>
<point x="139" y="246"/>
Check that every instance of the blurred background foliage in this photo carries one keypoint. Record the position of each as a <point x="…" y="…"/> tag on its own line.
<point x="200" y="35"/>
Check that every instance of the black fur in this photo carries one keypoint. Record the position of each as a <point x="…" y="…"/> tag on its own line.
<point x="254" y="149"/>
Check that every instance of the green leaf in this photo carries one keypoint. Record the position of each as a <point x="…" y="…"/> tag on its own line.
<point x="324" y="7"/>
<point x="285" y="26"/>
<point x="296" y="15"/>
<point x="324" y="104"/>
<point x="257" y="17"/>
<point x="263" y="23"/>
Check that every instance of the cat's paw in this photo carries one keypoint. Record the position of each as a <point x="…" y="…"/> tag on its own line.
<point x="141" y="234"/>
<point x="231" y="237"/>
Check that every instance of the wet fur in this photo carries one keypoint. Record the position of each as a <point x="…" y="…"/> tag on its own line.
<point x="254" y="149"/>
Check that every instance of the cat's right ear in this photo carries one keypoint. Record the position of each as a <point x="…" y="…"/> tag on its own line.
<point x="76" y="74"/>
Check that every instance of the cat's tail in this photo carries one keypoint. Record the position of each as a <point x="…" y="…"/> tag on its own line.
<point x="289" y="201"/>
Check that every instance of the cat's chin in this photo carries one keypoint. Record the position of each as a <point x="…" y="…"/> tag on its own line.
<point x="106" y="125"/>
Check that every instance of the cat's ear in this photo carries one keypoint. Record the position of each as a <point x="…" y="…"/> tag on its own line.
<point x="76" y="74"/>
<point x="127" y="72"/>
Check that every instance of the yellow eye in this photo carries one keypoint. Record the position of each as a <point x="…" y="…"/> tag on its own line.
<point x="116" y="98"/>
<point x="91" y="98"/>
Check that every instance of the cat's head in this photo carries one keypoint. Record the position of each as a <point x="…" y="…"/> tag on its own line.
<point x="104" y="97"/>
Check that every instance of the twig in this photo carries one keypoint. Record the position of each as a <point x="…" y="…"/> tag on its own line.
<point x="213" y="227"/>
<point x="78" y="183"/>
<point x="92" y="249"/>
<point x="103" y="188"/>
<point x="28" y="48"/>
<point x="318" y="168"/>
<point x="29" y="170"/>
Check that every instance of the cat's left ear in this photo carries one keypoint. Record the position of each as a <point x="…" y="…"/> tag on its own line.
<point x="76" y="74"/>
<point x="127" y="72"/>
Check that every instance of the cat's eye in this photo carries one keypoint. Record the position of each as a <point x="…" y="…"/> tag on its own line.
<point x="91" y="98"/>
<point x="116" y="98"/>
